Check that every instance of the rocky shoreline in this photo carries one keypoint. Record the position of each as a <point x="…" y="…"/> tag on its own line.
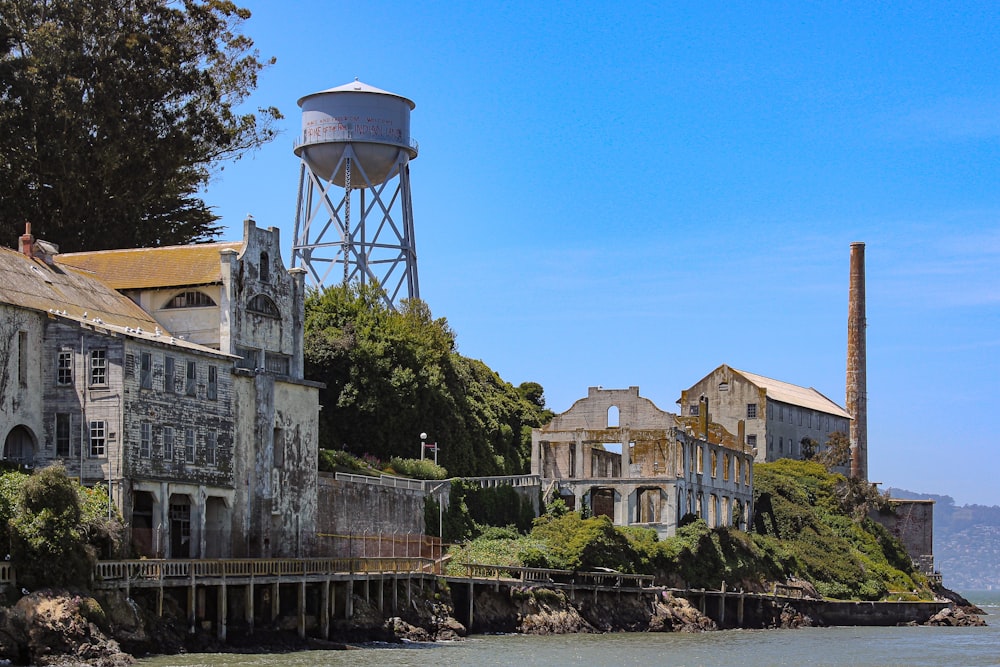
<point x="62" y="628"/>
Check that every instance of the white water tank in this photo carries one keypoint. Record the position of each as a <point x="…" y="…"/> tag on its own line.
<point x="374" y="122"/>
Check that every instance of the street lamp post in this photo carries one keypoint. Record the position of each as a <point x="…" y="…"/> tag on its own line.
<point x="424" y="445"/>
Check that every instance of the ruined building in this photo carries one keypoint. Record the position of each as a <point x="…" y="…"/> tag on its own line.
<point x="173" y="376"/>
<point x="619" y="455"/>
<point x="779" y="416"/>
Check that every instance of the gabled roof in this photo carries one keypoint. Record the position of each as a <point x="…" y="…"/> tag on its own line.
<point x="69" y="294"/>
<point x="143" y="268"/>
<point x="805" y="397"/>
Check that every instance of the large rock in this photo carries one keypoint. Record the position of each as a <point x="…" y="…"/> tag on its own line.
<point x="60" y="628"/>
<point x="955" y="617"/>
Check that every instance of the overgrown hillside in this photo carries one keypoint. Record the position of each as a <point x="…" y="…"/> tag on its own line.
<point x="812" y="526"/>
<point x="391" y="376"/>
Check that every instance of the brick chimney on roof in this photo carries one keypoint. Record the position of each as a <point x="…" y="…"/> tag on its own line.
<point x="857" y="362"/>
<point x="27" y="241"/>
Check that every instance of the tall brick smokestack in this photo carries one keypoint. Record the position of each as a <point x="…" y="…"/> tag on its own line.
<point x="857" y="360"/>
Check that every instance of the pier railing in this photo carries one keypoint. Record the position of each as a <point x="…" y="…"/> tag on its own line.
<point x="245" y="568"/>
<point x="606" y="579"/>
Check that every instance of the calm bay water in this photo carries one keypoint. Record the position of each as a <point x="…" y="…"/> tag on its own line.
<point x="831" y="647"/>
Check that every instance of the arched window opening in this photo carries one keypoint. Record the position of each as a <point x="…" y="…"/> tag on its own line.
<point x="191" y="299"/>
<point x="613" y="416"/>
<point x="264" y="268"/>
<point x="262" y="305"/>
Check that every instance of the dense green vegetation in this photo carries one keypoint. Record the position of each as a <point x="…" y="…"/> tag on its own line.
<point x="811" y="525"/>
<point x="391" y="376"/>
<point x="55" y="528"/>
<point x="114" y="116"/>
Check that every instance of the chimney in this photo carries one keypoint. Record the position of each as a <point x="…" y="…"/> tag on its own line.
<point x="857" y="360"/>
<point x="27" y="241"/>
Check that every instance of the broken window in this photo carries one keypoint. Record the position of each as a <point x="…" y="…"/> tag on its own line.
<point x="62" y="434"/>
<point x="145" y="370"/>
<point x="191" y="388"/>
<point x="715" y="463"/>
<point x="751" y="411"/>
<point x="168" y="443"/>
<point x="168" y="375"/>
<point x="211" y="447"/>
<point x="189" y="445"/>
<point x="64" y="369"/>
<point x="262" y="305"/>
<point x="212" y="392"/>
<point x="98" y="368"/>
<point x="145" y="439"/>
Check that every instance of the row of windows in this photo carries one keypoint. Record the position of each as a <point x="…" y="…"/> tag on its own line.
<point x="260" y="304"/>
<point x="730" y="465"/>
<point x="693" y="410"/>
<point x="805" y="417"/>
<point x="180" y="446"/>
<point x="98" y="373"/>
<point x="177" y="445"/>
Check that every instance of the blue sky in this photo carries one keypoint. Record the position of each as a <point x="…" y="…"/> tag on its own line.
<point x="632" y="194"/>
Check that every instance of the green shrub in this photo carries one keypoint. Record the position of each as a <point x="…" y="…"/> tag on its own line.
<point x="417" y="468"/>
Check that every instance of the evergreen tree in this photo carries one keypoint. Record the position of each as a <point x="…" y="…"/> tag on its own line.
<point x="114" y="113"/>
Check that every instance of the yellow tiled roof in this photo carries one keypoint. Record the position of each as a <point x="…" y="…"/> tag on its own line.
<point x="140" y="268"/>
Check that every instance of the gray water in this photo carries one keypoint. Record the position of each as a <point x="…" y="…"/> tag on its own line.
<point x="828" y="647"/>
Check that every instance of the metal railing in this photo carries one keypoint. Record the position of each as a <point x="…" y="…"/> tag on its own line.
<point x="382" y="480"/>
<point x="173" y="570"/>
<point x="559" y="577"/>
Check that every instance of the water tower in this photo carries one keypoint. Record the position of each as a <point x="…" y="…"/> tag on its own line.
<point x="354" y="217"/>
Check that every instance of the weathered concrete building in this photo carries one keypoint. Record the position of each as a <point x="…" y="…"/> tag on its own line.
<point x="174" y="376"/>
<point x="778" y="415"/>
<point x="623" y="457"/>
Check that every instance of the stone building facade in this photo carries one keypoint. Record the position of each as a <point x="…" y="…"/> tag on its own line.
<point x="777" y="415"/>
<point x="174" y="377"/>
<point x="621" y="456"/>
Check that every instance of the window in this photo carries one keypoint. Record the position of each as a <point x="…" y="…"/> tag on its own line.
<point x="168" y="375"/>
<point x="738" y="463"/>
<point x="278" y="446"/>
<point x="770" y="410"/>
<point x="62" y="434"/>
<point x="64" y="369"/>
<point x="22" y="358"/>
<point x="211" y="447"/>
<point x="190" y="299"/>
<point x="212" y="392"/>
<point x="264" y="267"/>
<point x="191" y="388"/>
<point x="98" y="368"/>
<point x="781" y="444"/>
<point x="725" y="467"/>
<point x="751" y="441"/>
<point x="189" y="445"/>
<point x="98" y="438"/>
<point x="715" y="463"/>
<point x="249" y="358"/>
<point x="276" y="363"/>
<point x="262" y="305"/>
<point x="701" y="459"/>
<point x="145" y="439"/>
<point x="168" y="443"/>
<point x="680" y="460"/>
<point x="723" y="386"/>
<point x="145" y="370"/>
<point x="751" y="411"/>
<point x="693" y="410"/>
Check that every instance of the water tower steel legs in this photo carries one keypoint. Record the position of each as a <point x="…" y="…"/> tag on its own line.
<point x="378" y="248"/>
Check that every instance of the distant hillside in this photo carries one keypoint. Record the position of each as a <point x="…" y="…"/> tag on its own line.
<point x="966" y="541"/>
